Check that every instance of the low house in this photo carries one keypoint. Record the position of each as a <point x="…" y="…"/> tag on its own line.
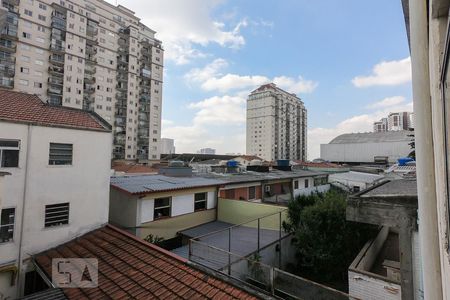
<point x="58" y="185"/>
<point x="130" y="268"/>
<point x="270" y="186"/>
<point x="389" y="266"/>
<point x="162" y="205"/>
<point x="245" y="160"/>
<point x="354" y="181"/>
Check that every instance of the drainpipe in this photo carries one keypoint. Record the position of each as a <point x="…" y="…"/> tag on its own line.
<point x="20" y="282"/>
<point x="426" y="188"/>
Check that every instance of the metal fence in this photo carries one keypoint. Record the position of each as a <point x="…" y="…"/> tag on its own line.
<point x="255" y="252"/>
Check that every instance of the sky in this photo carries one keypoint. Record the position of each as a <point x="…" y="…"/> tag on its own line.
<point x="347" y="60"/>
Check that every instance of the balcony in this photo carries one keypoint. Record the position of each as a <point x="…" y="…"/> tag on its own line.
<point x="122" y="50"/>
<point x="7" y="71"/>
<point x="7" y="83"/>
<point x="7" y="45"/>
<point x="55" y="81"/>
<point x="90" y="50"/>
<point x="120" y="121"/>
<point x="90" y="69"/>
<point x="58" y="23"/>
<point x="57" y="48"/>
<point x="89" y="89"/>
<point x="14" y="8"/>
<point x="54" y="90"/>
<point x="56" y="70"/>
<point x="89" y="79"/>
<point x="121" y="95"/>
<point x="122" y="78"/>
<point x="55" y="99"/>
<point x="121" y="87"/>
<point x="57" y="59"/>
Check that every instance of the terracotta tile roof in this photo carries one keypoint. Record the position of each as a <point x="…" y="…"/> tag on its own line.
<point x="27" y="108"/>
<point x="130" y="268"/>
<point x="134" y="168"/>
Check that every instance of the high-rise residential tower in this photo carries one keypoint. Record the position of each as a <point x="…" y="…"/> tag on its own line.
<point x="395" y="121"/>
<point x="91" y="55"/>
<point x="276" y="124"/>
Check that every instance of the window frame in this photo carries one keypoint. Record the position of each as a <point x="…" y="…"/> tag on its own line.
<point x="13" y="225"/>
<point x="205" y="201"/>
<point x="55" y="206"/>
<point x="296" y="184"/>
<point x="9" y="148"/>
<point x="54" y="160"/>
<point x="161" y="208"/>
<point x="446" y="119"/>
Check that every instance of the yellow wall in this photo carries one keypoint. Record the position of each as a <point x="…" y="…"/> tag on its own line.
<point x="168" y="228"/>
<point x="238" y="211"/>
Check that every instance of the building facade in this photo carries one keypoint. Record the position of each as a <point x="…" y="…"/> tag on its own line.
<point x="276" y="124"/>
<point x="53" y="177"/>
<point x="90" y="55"/>
<point x="167" y="146"/>
<point x="394" y="122"/>
<point x="207" y="151"/>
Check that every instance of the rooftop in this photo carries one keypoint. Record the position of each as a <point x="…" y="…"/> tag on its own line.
<point x="373" y="137"/>
<point x="26" y="108"/>
<point x="146" y="184"/>
<point x="251" y="176"/>
<point x="132" y="268"/>
<point x="394" y="188"/>
<point x="133" y="168"/>
<point x="358" y="176"/>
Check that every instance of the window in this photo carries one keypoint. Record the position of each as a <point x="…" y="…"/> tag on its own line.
<point x="26" y="35"/>
<point x="7" y="218"/>
<point x="38" y="85"/>
<point x="295" y="184"/>
<point x="39" y="62"/>
<point x="306" y="183"/>
<point x="252" y="192"/>
<point x="56" y="214"/>
<point x="24" y="70"/>
<point x="162" y="208"/>
<point x="42" y="18"/>
<point x="356" y="189"/>
<point x="23" y="82"/>
<point x="28" y="12"/>
<point x="42" y="6"/>
<point x="60" y="154"/>
<point x="200" y="200"/>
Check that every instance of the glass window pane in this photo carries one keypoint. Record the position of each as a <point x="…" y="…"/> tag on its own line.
<point x="10" y="159"/>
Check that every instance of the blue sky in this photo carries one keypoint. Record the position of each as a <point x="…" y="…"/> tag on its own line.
<point x="347" y="60"/>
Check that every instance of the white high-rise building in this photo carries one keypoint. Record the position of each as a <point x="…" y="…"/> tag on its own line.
<point x="381" y="126"/>
<point x="276" y="124"/>
<point x="207" y="151"/>
<point x="167" y="146"/>
<point x="395" y="121"/>
<point x="91" y="55"/>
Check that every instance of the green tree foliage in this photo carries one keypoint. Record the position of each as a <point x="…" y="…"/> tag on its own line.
<point x="154" y="239"/>
<point x="325" y="242"/>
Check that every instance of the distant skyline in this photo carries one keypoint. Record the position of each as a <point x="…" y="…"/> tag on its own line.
<point x="349" y="67"/>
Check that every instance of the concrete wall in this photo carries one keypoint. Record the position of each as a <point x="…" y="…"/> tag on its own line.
<point x="84" y="184"/>
<point x="236" y="212"/>
<point x="123" y="209"/>
<point x="363" y="286"/>
<point x="364" y="152"/>
<point x="168" y="228"/>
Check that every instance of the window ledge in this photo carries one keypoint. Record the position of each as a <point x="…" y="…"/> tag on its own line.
<point x="56" y="227"/>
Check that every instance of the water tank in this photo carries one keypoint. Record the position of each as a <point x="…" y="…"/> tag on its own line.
<point x="255" y="162"/>
<point x="402" y="161"/>
<point x="176" y="163"/>
<point x="283" y="162"/>
<point x="232" y="163"/>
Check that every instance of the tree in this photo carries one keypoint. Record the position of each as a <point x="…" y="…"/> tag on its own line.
<point x="325" y="242"/>
<point x="154" y="239"/>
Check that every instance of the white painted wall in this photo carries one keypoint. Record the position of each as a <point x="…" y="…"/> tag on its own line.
<point x="182" y="204"/>
<point x="212" y="200"/>
<point x="84" y="184"/>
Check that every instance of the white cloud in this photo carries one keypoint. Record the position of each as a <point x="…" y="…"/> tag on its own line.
<point x="359" y="123"/>
<point x="297" y="86"/>
<point x="387" y="102"/>
<point x="182" y="25"/>
<point x="210" y="78"/>
<point x="393" y="72"/>
<point x="220" y="110"/>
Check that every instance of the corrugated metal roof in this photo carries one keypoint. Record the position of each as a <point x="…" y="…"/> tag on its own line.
<point x="356" y="176"/>
<point x="143" y="184"/>
<point x="373" y="137"/>
<point x="400" y="187"/>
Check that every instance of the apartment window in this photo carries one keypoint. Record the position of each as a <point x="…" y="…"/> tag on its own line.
<point x="23" y="82"/>
<point x="42" y="18"/>
<point x="40" y="40"/>
<point x="28" y="12"/>
<point x="39" y="62"/>
<point x="296" y="184"/>
<point x="41" y="28"/>
<point x="38" y="85"/>
<point x="26" y="35"/>
<point x="9" y="153"/>
<point x="162" y="207"/>
<point x="200" y="200"/>
<point x="60" y="154"/>
<point x="252" y="192"/>
<point x="42" y="6"/>
<point x="56" y="214"/>
<point x="24" y="70"/>
<point x="7" y="219"/>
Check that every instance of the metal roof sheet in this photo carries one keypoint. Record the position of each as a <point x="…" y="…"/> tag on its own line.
<point x="356" y="176"/>
<point x="142" y="184"/>
<point x="373" y="137"/>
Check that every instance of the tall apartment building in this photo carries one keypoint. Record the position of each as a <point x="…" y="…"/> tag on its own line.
<point x="91" y="55"/>
<point x="167" y="146"/>
<point x="394" y="122"/>
<point x="276" y="124"/>
<point x="206" y="151"/>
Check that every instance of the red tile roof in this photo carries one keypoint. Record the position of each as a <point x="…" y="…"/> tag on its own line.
<point x="27" y="108"/>
<point x="133" y="168"/>
<point x="130" y="268"/>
